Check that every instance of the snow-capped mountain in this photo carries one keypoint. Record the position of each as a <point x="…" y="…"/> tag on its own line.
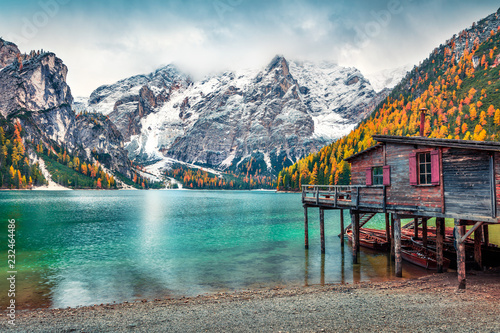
<point x="277" y="114"/>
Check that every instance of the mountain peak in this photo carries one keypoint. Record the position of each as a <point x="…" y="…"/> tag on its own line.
<point x="8" y="53"/>
<point x="278" y="61"/>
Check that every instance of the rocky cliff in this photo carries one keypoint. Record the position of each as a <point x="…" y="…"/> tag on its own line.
<point x="8" y="52"/>
<point x="276" y="114"/>
<point x="33" y="89"/>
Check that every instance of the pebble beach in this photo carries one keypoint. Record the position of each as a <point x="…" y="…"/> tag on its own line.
<point x="427" y="304"/>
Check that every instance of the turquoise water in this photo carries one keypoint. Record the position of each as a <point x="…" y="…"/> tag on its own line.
<point x="90" y="247"/>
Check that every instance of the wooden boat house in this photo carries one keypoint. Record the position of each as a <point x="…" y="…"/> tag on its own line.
<point x="419" y="178"/>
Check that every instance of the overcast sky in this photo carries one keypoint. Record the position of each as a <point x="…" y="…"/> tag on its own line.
<point x="103" y="41"/>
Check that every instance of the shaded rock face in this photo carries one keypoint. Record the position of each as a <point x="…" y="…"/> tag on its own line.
<point x="8" y="53"/>
<point x="91" y="132"/>
<point x="286" y="110"/>
<point x="37" y="94"/>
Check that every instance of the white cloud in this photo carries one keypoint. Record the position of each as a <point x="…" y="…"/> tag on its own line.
<point x="103" y="42"/>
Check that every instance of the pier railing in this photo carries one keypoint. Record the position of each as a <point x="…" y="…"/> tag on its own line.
<point x="345" y="196"/>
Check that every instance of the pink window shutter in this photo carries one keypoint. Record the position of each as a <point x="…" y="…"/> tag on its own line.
<point x="435" y="171"/>
<point x="413" y="169"/>
<point x="387" y="175"/>
<point x="369" y="180"/>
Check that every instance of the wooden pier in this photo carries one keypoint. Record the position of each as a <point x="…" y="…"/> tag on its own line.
<point x="417" y="178"/>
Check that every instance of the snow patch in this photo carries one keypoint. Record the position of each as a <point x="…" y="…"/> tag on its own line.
<point x="228" y="161"/>
<point x="267" y="159"/>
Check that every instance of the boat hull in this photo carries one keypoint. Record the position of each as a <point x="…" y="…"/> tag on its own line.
<point x="421" y="256"/>
<point x="370" y="241"/>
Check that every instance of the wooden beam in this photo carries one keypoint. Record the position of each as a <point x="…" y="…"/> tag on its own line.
<point x="357" y="196"/>
<point x="387" y="228"/>
<point x="460" y="232"/>
<point x="397" y="246"/>
<point x="384" y="200"/>
<point x="355" y="237"/>
<point x="306" y="229"/>
<point x="342" y="227"/>
<point x="392" y="235"/>
<point x="306" y="268"/>
<point x="336" y="198"/>
<point x="439" y="243"/>
<point x="322" y="228"/>
<point x="322" y="276"/>
<point x="415" y="227"/>
<point x="471" y="230"/>
<point x="424" y="231"/>
<point x="486" y="235"/>
<point x="478" y="237"/>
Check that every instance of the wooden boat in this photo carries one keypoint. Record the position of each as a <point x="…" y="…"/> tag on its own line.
<point x="421" y="256"/>
<point x="490" y="253"/>
<point x="370" y="241"/>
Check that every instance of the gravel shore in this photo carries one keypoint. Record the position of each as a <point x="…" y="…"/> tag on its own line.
<point x="428" y="304"/>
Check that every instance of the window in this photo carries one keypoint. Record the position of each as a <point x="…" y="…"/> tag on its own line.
<point x="378" y="175"/>
<point x="424" y="168"/>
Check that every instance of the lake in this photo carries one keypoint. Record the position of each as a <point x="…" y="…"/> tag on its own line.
<point x="76" y="248"/>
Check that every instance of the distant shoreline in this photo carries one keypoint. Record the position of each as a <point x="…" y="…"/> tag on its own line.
<point x="44" y="189"/>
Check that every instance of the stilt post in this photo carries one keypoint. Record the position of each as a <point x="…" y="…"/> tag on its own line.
<point x="397" y="246"/>
<point x="355" y="237"/>
<point x="424" y="231"/>
<point x="478" y="237"/>
<point x="439" y="243"/>
<point x="322" y="276"/>
<point x="415" y="227"/>
<point x="322" y="228"/>
<point x="460" y="232"/>
<point x="387" y="228"/>
<point x="392" y="235"/>
<point x="486" y="235"/>
<point x="306" y="270"/>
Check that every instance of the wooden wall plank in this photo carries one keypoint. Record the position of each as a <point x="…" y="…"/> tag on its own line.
<point x="466" y="181"/>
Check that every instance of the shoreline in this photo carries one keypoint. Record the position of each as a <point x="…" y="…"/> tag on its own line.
<point x="427" y="304"/>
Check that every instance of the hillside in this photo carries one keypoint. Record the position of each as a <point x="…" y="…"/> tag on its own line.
<point x="458" y="84"/>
